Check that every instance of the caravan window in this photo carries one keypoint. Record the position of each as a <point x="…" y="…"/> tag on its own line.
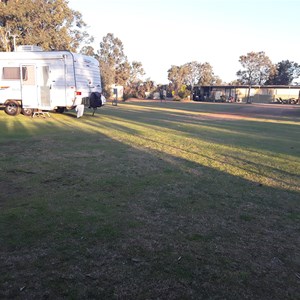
<point x="28" y="74"/>
<point x="13" y="73"/>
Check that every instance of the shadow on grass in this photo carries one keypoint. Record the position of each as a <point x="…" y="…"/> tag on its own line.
<point x="85" y="214"/>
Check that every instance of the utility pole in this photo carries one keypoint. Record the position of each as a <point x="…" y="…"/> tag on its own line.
<point x="14" y="39"/>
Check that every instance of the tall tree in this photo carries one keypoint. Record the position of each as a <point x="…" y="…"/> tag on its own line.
<point x="192" y="73"/>
<point x="135" y="86"/>
<point x="88" y="50"/>
<point x="107" y="77"/>
<point x="207" y="76"/>
<point x="50" y="24"/>
<point x="285" y="72"/>
<point x="136" y="72"/>
<point x="113" y="61"/>
<point x="257" y="68"/>
<point x="176" y="76"/>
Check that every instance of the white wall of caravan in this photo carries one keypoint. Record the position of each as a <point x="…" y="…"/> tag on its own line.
<point x="87" y="74"/>
<point x="71" y="77"/>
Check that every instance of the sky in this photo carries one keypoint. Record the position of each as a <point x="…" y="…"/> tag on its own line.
<point x="162" y="33"/>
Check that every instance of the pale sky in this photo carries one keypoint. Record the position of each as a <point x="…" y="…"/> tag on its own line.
<point x="162" y="33"/>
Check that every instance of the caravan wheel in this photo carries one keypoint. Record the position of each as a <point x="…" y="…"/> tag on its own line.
<point x="27" y="111"/>
<point x="12" y="108"/>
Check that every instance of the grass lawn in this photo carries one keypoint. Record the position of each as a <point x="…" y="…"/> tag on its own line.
<point x="150" y="200"/>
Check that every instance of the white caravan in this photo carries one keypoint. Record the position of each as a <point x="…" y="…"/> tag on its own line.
<point x="32" y="79"/>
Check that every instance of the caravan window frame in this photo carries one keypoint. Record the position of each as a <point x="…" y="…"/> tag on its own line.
<point x="13" y="73"/>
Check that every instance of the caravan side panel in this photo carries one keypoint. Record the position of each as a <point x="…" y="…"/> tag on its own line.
<point x="10" y="79"/>
<point x="62" y="81"/>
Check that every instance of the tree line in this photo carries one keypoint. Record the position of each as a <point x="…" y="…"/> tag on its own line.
<point x="53" y="25"/>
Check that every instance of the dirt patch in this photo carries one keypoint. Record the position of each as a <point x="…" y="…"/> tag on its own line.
<point x="240" y="110"/>
<point x="268" y="110"/>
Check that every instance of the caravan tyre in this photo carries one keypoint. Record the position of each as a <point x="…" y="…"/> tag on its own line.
<point x="12" y="108"/>
<point x="27" y="111"/>
<point x="95" y="100"/>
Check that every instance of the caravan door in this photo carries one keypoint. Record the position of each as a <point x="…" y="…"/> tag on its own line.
<point x="29" y="88"/>
<point x="35" y="87"/>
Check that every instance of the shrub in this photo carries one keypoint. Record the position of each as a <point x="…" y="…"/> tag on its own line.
<point x="183" y="92"/>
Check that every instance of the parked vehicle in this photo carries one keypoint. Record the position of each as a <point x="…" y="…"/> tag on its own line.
<point x="279" y="100"/>
<point x="32" y="79"/>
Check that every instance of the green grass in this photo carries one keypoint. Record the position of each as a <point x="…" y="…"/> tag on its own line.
<point x="150" y="200"/>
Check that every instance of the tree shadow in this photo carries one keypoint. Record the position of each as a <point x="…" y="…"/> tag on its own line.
<point x="108" y="217"/>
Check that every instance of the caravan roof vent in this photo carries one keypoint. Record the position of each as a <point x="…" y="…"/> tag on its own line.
<point x="28" y="48"/>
